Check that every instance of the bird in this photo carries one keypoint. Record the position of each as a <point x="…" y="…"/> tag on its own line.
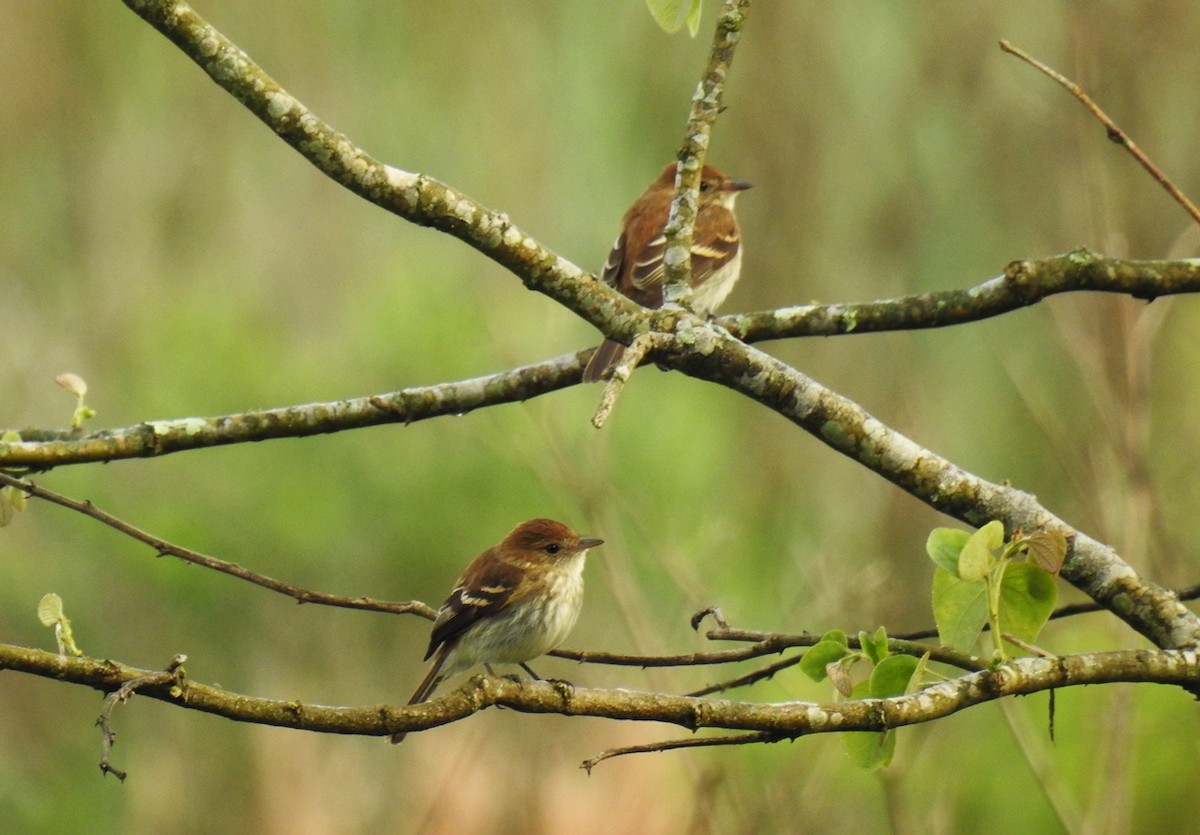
<point x="635" y="263"/>
<point x="515" y="602"/>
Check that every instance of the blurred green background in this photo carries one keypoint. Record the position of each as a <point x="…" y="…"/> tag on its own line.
<point x="156" y="239"/>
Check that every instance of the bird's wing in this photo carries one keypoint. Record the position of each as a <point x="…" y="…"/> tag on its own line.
<point x="478" y="594"/>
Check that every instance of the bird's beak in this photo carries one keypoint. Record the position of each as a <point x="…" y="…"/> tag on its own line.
<point x="586" y="543"/>
<point x="738" y="185"/>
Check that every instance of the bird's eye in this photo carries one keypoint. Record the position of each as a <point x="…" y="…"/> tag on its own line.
<point x="705" y="185"/>
<point x="552" y="548"/>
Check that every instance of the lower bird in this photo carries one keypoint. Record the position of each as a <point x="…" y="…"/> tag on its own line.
<point x="515" y="602"/>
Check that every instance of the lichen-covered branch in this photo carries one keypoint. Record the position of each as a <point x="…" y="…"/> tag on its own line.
<point x="418" y="198"/>
<point x="1023" y="284"/>
<point x="161" y="437"/>
<point x="709" y="352"/>
<point x="706" y="106"/>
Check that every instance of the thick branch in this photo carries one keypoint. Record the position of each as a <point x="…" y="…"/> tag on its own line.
<point x="161" y="437"/>
<point x="787" y="719"/>
<point x="417" y="198"/>
<point x="1024" y="283"/>
<point x="710" y="353"/>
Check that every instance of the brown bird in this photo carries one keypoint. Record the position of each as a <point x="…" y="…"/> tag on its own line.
<point x="635" y="264"/>
<point x="514" y="602"/>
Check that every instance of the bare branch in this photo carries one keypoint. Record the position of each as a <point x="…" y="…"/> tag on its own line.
<point x="1024" y="283"/>
<point x="1114" y="132"/>
<point x="678" y="744"/>
<point x="842" y="424"/>
<point x="162" y="437"/>
<point x="165" y="548"/>
<point x="173" y="673"/>
<point x="785" y="719"/>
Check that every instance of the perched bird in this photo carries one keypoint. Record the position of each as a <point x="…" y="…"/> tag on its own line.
<point x="635" y="264"/>
<point x="515" y="601"/>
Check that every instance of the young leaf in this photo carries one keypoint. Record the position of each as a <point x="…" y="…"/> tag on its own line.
<point x="671" y="14"/>
<point x="868" y="647"/>
<point x="1027" y="597"/>
<point x="50" y="609"/>
<point x="1047" y="550"/>
<point x="959" y="609"/>
<point x="837" y="636"/>
<point x="881" y="644"/>
<point x="979" y="554"/>
<point x="815" y="662"/>
<point x="839" y="674"/>
<point x="944" y="545"/>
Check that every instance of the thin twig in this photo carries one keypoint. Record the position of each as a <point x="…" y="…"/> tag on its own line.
<point x="675" y="744"/>
<point x="173" y="672"/>
<point x="941" y="654"/>
<point x="750" y="678"/>
<point x="1114" y="131"/>
<point x="165" y="548"/>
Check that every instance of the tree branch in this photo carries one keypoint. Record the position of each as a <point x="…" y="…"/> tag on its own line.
<point x="418" y="198"/>
<point x="164" y="548"/>
<point x="706" y="106"/>
<point x="1021" y="676"/>
<point x="1111" y="128"/>
<point x="1024" y="283"/>
<point x="711" y="353"/>
<point x="693" y="346"/>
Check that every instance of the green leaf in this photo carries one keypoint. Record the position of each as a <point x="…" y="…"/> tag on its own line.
<point x="868" y="646"/>
<point x="979" y="554"/>
<point x="881" y="644"/>
<point x="944" y="545"/>
<point x="837" y="636"/>
<point x="892" y="675"/>
<point x="869" y="750"/>
<point x="12" y="502"/>
<point x="820" y="656"/>
<point x="693" y="19"/>
<point x="672" y="14"/>
<point x="874" y="646"/>
<point x="1027" y="597"/>
<point x="959" y="609"/>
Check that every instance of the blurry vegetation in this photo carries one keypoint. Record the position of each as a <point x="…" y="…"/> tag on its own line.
<point x="161" y="243"/>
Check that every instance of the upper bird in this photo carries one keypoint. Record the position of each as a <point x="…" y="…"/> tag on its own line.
<point x="635" y="264"/>
<point x="515" y="601"/>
